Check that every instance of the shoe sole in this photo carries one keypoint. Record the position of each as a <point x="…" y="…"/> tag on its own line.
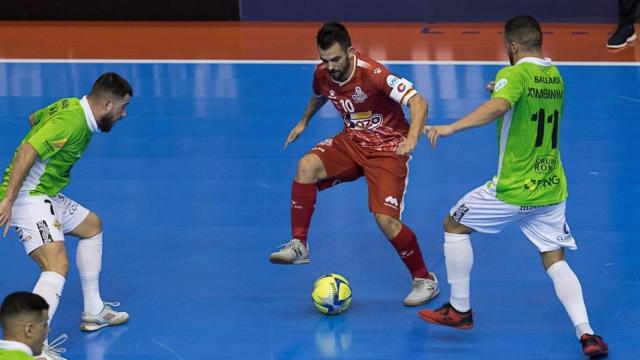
<point x="422" y="302"/>
<point x="94" y="327"/>
<point x="281" y="261"/>
<point x="429" y="320"/>
<point x="596" y="354"/>
<point x="629" y="39"/>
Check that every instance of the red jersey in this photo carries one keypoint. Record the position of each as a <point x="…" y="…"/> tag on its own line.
<point x="369" y="102"/>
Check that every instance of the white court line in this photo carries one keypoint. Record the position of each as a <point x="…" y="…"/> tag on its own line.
<point x="629" y="98"/>
<point x="312" y="62"/>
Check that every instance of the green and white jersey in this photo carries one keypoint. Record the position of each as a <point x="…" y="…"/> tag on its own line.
<point x="529" y="168"/>
<point x="13" y="350"/>
<point x="60" y="135"/>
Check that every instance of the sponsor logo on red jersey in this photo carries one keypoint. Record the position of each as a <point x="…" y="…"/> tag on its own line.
<point x="363" y="120"/>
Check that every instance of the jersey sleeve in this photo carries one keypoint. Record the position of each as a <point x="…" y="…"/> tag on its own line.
<point x="317" y="82"/>
<point x="508" y="86"/>
<point x="397" y="88"/>
<point x="51" y="137"/>
<point x="38" y="115"/>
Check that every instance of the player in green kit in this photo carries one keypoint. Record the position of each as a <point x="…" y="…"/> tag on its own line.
<point x="24" y="321"/>
<point x="529" y="188"/>
<point x="31" y="200"/>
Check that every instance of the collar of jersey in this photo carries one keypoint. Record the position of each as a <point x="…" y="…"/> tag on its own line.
<point x="355" y="65"/>
<point x="535" y="60"/>
<point x="88" y="114"/>
<point x="14" y="345"/>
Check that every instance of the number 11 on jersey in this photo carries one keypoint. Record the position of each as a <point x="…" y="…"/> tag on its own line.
<point x="552" y="118"/>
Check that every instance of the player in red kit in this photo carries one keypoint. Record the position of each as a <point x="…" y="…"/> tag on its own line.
<point x="376" y="143"/>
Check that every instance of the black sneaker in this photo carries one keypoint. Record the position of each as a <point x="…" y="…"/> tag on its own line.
<point x="593" y="346"/>
<point x="622" y="36"/>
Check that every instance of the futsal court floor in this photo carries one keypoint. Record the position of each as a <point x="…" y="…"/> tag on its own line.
<point x="193" y="189"/>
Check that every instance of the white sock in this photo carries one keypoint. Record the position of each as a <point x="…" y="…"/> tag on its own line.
<point x="89" y="262"/>
<point x="49" y="286"/>
<point x="458" y="256"/>
<point x="569" y="292"/>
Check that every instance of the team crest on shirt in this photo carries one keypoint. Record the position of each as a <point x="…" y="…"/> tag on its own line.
<point x="377" y="71"/>
<point x="359" y="96"/>
<point x="332" y="94"/>
<point x="362" y="120"/>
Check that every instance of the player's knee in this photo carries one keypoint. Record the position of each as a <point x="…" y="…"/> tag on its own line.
<point x="381" y="219"/>
<point x="61" y="267"/>
<point x="388" y="224"/>
<point x="97" y="224"/>
<point x="308" y="168"/>
<point x="450" y="225"/>
<point x="94" y="224"/>
<point x="53" y="259"/>
<point x="445" y="223"/>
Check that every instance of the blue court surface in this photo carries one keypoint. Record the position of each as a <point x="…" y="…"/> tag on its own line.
<point x="193" y="188"/>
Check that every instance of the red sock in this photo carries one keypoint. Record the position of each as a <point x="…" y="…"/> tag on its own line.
<point x="406" y="245"/>
<point x="303" y="202"/>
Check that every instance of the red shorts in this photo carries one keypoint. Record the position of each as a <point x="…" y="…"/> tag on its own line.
<point x="385" y="172"/>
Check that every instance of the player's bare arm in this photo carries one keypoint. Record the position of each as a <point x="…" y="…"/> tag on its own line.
<point x="22" y="164"/>
<point x="315" y="103"/>
<point x="418" y="107"/>
<point x="484" y="114"/>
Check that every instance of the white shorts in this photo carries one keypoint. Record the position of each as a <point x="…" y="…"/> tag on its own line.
<point x="40" y="219"/>
<point x="545" y="226"/>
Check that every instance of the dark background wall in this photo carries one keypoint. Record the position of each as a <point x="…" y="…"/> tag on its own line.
<point x="119" y="10"/>
<point x="429" y="10"/>
<point x="311" y="10"/>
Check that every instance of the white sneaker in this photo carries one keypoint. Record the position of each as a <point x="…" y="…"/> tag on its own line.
<point x="106" y="317"/>
<point x="292" y="252"/>
<point x="52" y="350"/>
<point x="422" y="290"/>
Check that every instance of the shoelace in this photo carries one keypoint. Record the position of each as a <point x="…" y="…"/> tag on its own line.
<point x="286" y="245"/>
<point x="53" y="348"/>
<point x="111" y="304"/>
<point x="418" y="285"/>
<point x="445" y="310"/>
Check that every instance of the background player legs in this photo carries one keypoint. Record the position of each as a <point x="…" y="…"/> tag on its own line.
<point x="89" y="261"/>
<point x="568" y="289"/>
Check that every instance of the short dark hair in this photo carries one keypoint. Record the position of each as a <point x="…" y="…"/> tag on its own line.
<point x="18" y="303"/>
<point x="525" y="31"/>
<point x="332" y="32"/>
<point x="111" y="83"/>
